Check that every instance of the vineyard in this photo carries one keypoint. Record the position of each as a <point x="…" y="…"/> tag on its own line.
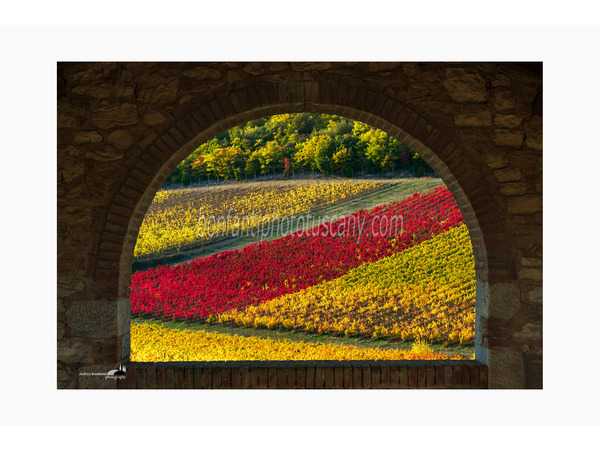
<point x="425" y="292"/>
<point x="156" y="343"/>
<point x="401" y="271"/>
<point x="172" y="220"/>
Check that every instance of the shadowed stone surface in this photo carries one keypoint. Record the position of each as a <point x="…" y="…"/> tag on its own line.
<point x="508" y="303"/>
<point x="123" y="127"/>
<point x="93" y="318"/>
<point x="466" y="88"/>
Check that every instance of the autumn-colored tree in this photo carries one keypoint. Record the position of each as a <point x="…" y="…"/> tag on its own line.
<point x="310" y="141"/>
<point x="316" y="153"/>
<point x="270" y="157"/>
<point x="341" y="160"/>
<point x="228" y="162"/>
<point x="381" y="150"/>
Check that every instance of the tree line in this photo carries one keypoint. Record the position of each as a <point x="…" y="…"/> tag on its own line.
<point x="299" y="142"/>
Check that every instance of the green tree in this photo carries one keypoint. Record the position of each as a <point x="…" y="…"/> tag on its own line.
<point x="319" y="142"/>
<point x="380" y="149"/>
<point x="342" y="160"/>
<point x="316" y="153"/>
<point x="252" y="164"/>
<point x="271" y="157"/>
<point x="228" y="162"/>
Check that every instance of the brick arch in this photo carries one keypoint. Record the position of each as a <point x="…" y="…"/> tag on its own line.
<point x="188" y="133"/>
<point x="436" y="109"/>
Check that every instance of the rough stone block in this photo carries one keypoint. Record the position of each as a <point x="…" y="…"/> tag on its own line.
<point x="277" y="66"/>
<point x="233" y="76"/>
<point x="482" y="295"/>
<point x="65" y="120"/>
<point x="505" y="369"/>
<point x="508" y="138"/>
<point x="99" y="91"/>
<point x="203" y="73"/>
<point x="105" y="153"/>
<point x="503" y="100"/>
<point x="507" y="121"/>
<point x="124" y="316"/>
<point x="508" y="174"/>
<point x="307" y="66"/>
<point x="153" y="118"/>
<point x="382" y="66"/>
<point x="504" y="300"/>
<point x="533" y="133"/>
<point x="255" y="68"/>
<point x="74" y="352"/>
<point x="496" y="160"/>
<point x="531" y="274"/>
<point x="536" y="295"/>
<point x="479" y="119"/>
<point x="121" y="139"/>
<point x="529" y="332"/>
<point x="125" y="348"/>
<point x="124" y="90"/>
<point x="87" y="137"/>
<point x="466" y="88"/>
<point x="68" y="288"/>
<point x="524" y="205"/>
<point x="513" y="188"/>
<point x="165" y="92"/>
<point x="533" y="140"/>
<point x="93" y="318"/>
<point x="531" y="262"/>
<point x="110" y="116"/>
<point x="66" y="376"/>
<point x="501" y="80"/>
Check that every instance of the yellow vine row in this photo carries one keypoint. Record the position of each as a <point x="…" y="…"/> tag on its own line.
<point x="156" y="343"/>
<point x="426" y="292"/>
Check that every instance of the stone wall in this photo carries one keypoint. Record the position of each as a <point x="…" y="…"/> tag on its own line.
<point x="123" y="127"/>
<point x="307" y="375"/>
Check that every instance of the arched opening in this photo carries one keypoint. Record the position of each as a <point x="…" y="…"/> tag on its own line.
<point x="203" y="294"/>
<point x="431" y="158"/>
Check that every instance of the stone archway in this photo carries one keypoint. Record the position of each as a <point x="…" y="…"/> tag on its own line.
<point x="124" y="127"/>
